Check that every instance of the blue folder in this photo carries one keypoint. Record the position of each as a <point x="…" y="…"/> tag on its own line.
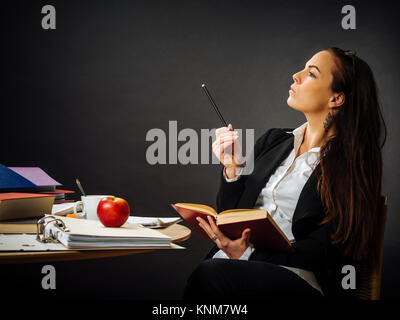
<point x="12" y="180"/>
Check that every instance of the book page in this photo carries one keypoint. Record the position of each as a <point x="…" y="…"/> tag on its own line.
<point x="242" y="211"/>
<point x="198" y="207"/>
<point x="241" y="215"/>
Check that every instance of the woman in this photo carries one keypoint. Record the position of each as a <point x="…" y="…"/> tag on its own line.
<point x="321" y="183"/>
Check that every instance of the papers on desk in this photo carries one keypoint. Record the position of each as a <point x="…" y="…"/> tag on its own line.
<point x="28" y="242"/>
<point x="29" y="225"/>
<point x="62" y="209"/>
<point x="80" y="234"/>
<point x="153" y="222"/>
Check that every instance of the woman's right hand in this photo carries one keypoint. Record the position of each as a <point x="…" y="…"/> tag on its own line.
<point x="227" y="149"/>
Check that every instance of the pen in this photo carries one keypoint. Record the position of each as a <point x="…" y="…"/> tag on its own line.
<point x="80" y="187"/>
<point x="214" y="104"/>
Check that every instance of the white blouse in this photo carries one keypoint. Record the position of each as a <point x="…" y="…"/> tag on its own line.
<point x="281" y="193"/>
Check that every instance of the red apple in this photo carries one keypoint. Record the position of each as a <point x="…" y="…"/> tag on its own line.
<point x="113" y="211"/>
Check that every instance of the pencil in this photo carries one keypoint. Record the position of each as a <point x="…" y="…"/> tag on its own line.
<point x="214" y="104"/>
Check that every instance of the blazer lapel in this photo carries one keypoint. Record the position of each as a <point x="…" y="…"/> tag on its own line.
<point x="264" y="166"/>
<point x="309" y="203"/>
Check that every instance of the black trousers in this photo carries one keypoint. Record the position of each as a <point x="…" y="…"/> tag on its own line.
<point x="227" y="279"/>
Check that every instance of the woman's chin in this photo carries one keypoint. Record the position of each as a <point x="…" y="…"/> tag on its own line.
<point x="293" y="105"/>
<point x="290" y="102"/>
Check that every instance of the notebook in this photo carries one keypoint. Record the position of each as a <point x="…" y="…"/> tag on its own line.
<point x="80" y="233"/>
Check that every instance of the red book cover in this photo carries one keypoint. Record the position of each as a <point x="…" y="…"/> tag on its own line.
<point x="65" y="191"/>
<point x="190" y="217"/>
<point x="21" y="195"/>
<point x="263" y="233"/>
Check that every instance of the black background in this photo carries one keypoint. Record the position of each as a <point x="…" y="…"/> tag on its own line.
<point x="78" y="101"/>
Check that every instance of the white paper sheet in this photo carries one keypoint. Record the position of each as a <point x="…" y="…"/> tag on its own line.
<point x="28" y="242"/>
<point x="61" y="209"/>
<point x="153" y="222"/>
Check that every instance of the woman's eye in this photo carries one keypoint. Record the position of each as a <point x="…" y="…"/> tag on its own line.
<point x="311" y="74"/>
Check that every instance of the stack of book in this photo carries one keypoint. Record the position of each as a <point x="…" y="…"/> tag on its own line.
<point x="27" y="192"/>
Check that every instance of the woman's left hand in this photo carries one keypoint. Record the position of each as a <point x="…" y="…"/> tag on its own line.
<point x="234" y="249"/>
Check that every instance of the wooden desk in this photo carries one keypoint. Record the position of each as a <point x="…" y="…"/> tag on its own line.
<point x="177" y="232"/>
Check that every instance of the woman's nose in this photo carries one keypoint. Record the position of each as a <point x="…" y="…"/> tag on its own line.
<point x="296" y="78"/>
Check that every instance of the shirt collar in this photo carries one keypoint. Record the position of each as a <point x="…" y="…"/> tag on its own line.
<point x="299" y="136"/>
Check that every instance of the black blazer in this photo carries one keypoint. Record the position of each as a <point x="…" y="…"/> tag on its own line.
<point x="313" y="248"/>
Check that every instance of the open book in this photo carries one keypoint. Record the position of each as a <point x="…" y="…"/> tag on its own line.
<point x="264" y="230"/>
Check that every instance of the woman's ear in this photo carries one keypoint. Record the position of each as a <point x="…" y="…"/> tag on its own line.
<point x="337" y="100"/>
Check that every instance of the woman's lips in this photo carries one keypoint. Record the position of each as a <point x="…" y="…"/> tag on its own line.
<point x="291" y="90"/>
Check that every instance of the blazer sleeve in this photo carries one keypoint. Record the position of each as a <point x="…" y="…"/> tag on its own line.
<point x="229" y="193"/>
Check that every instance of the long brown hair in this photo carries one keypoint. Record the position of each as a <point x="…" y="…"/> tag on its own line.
<point x="351" y="162"/>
